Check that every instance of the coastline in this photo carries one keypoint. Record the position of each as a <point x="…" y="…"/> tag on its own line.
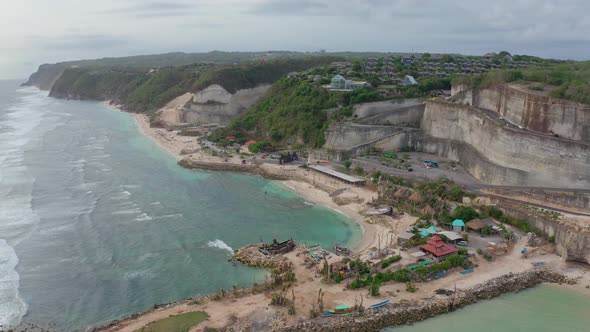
<point x="317" y="190"/>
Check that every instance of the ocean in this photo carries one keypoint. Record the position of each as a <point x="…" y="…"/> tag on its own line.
<point x="541" y="309"/>
<point x="96" y="222"/>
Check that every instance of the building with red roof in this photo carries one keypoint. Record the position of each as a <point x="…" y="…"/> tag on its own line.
<point x="437" y="247"/>
<point x="250" y="142"/>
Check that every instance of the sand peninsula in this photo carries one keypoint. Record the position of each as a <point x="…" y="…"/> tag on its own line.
<point x="305" y="291"/>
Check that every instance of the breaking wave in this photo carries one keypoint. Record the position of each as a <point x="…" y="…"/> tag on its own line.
<point x="220" y="245"/>
<point x="13" y="307"/>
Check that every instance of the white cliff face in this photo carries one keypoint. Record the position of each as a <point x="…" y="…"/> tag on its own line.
<point x="501" y="155"/>
<point x="216" y="105"/>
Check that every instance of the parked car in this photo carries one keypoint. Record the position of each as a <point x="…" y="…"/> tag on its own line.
<point x="462" y="243"/>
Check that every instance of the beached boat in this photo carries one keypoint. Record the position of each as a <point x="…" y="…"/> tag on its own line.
<point x="539" y="264"/>
<point x="440" y="274"/>
<point x="467" y="271"/>
<point x="340" y="250"/>
<point x="378" y="212"/>
<point x="342" y="309"/>
<point x="380" y="304"/>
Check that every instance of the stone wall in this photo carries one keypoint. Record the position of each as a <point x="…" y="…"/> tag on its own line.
<point x="398" y="314"/>
<point x="500" y="155"/>
<point x="536" y="111"/>
<point x="216" y="105"/>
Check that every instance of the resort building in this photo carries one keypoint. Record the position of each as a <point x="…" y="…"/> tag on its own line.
<point x="438" y="248"/>
<point x="405" y="237"/>
<point x="458" y="225"/>
<point x="479" y="225"/>
<point x="451" y="236"/>
<point x="338" y="82"/>
<point x="409" y="80"/>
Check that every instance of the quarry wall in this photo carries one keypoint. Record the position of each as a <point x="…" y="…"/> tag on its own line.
<point x="216" y="105"/>
<point x="399" y="112"/>
<point x="341" y="136"/>
<point x="499" y="155"/>
<point x="532" y="110"/>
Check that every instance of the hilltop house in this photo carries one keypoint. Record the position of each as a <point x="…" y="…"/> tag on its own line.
<point x="409" y="80"/>
<point x="338" y="82"/>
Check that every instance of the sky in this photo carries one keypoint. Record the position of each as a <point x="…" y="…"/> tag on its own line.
<point x="33" y="32"/>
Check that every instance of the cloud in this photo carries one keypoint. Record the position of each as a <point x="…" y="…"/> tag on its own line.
<point x="79" y="41"/>
<point x="152" y="9"/>
<point x="291" y="8"/>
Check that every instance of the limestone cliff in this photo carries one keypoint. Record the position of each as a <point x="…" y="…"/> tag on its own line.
<point x="215" y="104"/>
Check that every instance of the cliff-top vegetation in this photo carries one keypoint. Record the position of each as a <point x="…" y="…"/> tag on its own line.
<point x="571" y="79"/>
<point x="139" y="90"/>
<point x="293" y="111"/>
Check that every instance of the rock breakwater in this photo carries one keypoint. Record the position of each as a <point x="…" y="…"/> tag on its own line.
<point x="407" y="313"/>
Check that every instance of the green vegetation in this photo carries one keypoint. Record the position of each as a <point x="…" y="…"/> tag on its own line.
<point x="465" y="213"/>
<point x="176" y="323"/>
<point x="386" y="262"/>
<point x="571" y="78"/>
<point x="293" y="110"/>
<point x="140" y="90"/>
<point x="255" y="147"/>
<point x="365" y="278"/>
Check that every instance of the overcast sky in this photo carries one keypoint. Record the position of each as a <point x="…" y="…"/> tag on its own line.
<point x="33" y="32"/>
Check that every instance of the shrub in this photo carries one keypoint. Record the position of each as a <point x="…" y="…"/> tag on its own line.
<point x="347" y="164"/>
<point x="359" y="170"/>
<point x="385" y="263"/>
<point x="374" y="289"/>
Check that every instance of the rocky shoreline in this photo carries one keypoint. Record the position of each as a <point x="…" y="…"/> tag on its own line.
<point x="230" y="167"/>
<point x="408" y="313"/>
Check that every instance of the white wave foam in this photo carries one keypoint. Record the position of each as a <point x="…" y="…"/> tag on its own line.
<point x="143" y="217"/>
<point x="220" y="245"/>
<point x="176" y="215"/>
<point x="155" y="203"/>
<point x="13" y="307"/>
<point x="128" y="211"/>
<point x="308" y="203"/>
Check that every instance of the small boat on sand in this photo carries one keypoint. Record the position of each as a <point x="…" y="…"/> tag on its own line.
<point x="440" y="274"/>
<point x="378" y="212"/>
<point x="467" y="271"/>
<point x="539" y="264"/>
<point x="340" y="250"/>
<point x="380" y="304"/>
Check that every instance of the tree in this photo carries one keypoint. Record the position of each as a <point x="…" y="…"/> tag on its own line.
<point x="465" y="213"/>
<point x="426" y="56"/>
<point x="347" y="164"/>
<point x="356" y="65"/>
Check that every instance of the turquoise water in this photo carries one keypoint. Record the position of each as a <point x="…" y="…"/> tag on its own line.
<point x="542" y="309"/>
<point x="96" y="222"/>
